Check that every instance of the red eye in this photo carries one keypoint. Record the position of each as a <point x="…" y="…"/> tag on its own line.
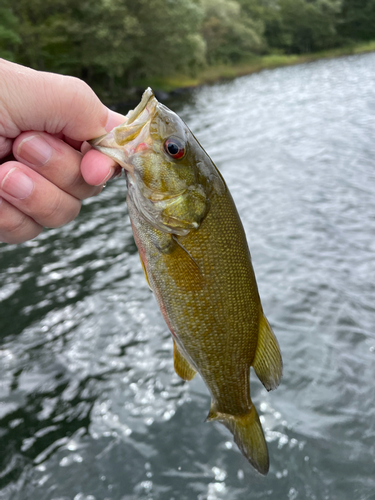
<point x="174" y="147"/>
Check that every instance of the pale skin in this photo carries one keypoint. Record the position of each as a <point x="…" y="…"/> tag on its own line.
<point x="44" y="120"/>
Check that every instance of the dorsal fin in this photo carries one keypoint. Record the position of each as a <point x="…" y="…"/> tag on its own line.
<point x="267" y="363"/>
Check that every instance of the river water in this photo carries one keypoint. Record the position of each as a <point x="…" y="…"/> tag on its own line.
<point x="90" y="407"/>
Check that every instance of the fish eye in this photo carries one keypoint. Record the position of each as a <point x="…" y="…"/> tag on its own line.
<point x="175" y="148"/>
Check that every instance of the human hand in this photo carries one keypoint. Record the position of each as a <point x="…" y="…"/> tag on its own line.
<point x="44" y="118"/>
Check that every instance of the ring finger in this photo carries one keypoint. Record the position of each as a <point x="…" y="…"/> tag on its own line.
<point x="36" y="196"/>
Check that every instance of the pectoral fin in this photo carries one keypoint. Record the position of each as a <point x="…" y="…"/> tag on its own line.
<point x="179" y="263"/>
<point x="267" y="363"/>
<point x="184" y="269"/>
<point x="181" y="366"/>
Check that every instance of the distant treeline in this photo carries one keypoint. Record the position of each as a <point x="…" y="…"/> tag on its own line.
<point x="122" y="42"/>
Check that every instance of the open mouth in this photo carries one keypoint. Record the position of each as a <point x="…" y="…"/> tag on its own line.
<point x="133" y="124"/>
<point x="112" y="144"/>
<point x="146" y="98"/>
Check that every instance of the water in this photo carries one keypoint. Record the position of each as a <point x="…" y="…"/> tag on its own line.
<point x="90" y="408"/>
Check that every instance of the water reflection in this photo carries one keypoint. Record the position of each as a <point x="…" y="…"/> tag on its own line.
<point x="90" y="406"/>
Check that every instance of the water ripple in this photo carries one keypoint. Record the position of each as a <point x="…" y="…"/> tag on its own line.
<point x="90" y="407"/>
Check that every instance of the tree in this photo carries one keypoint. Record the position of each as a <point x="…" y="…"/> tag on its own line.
<point x="104" y="41"/>
<point x="169" y="40"/>
<point x="230" y="33"/>
<point x="300" y="26"/>
<point x="358" y="19"/>
<point x="9" y="38"/>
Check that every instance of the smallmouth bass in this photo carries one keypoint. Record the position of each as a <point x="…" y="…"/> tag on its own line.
<point x="196" y="260"/>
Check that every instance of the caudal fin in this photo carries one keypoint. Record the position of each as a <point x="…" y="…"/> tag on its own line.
<point x="248" y="435"/>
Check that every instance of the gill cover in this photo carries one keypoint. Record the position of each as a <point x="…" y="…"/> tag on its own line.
<point x="152" y="145"/>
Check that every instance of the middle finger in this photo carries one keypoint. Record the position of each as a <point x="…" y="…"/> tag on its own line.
<point x="55" y="160"/>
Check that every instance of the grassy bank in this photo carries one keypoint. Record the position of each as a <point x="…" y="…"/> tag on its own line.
<point x="221" y="72"/>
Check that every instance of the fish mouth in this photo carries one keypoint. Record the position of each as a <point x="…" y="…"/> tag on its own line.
<point x="122" y="141"/>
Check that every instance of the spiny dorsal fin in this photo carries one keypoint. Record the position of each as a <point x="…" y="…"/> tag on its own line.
<point x="267" y="364"/>
<point x="181" y="366"/>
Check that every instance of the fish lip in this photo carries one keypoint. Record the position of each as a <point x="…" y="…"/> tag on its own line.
<point x="131" y="117"/>
<point x="113" y="144"/>
<point x="148" y="94"/>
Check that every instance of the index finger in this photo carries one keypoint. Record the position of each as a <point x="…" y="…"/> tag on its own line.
<point x="35" y="100"/>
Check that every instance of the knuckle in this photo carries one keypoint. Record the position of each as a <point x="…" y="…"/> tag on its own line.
<point x="74" y="211"/>
<point x="79" y="84"/>
<point x="14" y="238"/>
<point x="82" y="91"/>
<point x="94" y="191"/>
<point x="61" y="212"/>
<point x="84" y="100"/>
<point x="81" y="190"/>
<point x="15" y="224"/>
<point x="18" y="229"/>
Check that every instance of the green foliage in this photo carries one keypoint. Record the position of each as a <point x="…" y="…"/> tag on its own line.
<point x="229" y="34"/>
<point x="169" y="41"/>
<point x="358" y="19"/>
<point x="105" y="40"/>
<point x="9" y="38"/>
<point x="114" y="44"/>
<point x="299" y="26"/>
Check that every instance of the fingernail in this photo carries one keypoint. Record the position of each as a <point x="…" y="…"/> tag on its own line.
<point x="17" y="184"/>
<point x="35" y="150"/>
<point x="108" y="177"/>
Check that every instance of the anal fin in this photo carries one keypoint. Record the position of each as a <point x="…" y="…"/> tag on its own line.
<point x="181" y="366"/>
<point x="267" y="363"/>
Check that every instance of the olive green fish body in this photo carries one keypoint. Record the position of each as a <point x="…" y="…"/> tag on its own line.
<point x="214" y="314"/>
<point x="196" y="260"/>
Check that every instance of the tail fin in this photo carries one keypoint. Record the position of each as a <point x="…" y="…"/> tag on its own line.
<point x="248" y="435"/>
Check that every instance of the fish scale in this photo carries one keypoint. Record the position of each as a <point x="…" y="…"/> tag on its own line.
<point x="228" y="298"/>
<point x="196" y="260"/>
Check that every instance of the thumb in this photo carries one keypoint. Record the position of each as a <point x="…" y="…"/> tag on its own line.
<point x="35" y="100"/>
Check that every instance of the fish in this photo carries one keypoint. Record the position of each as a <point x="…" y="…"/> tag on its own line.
<point x="197" y="262"/>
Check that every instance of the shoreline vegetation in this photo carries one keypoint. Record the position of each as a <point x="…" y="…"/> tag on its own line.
<point x="222" y="72"/>
<point x="119" y="47"/>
